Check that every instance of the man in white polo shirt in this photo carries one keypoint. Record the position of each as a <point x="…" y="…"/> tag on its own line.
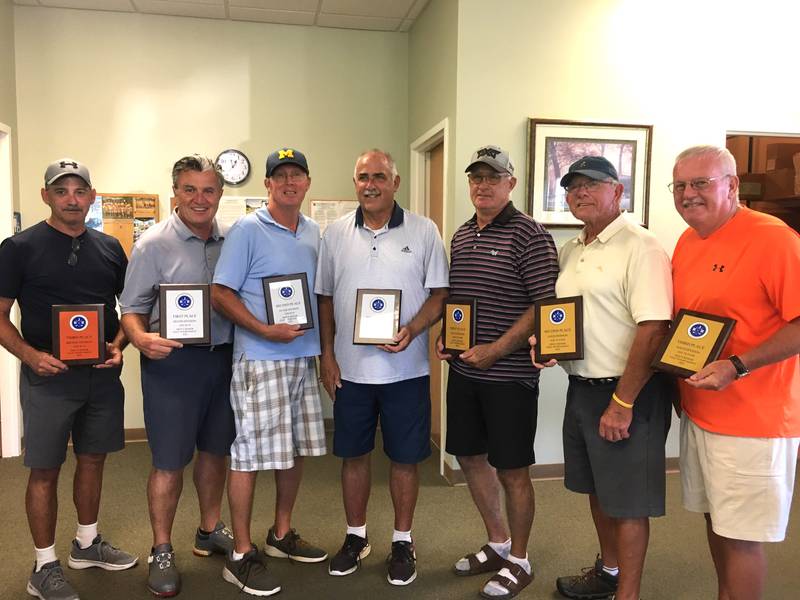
<point x="380" y="246"/>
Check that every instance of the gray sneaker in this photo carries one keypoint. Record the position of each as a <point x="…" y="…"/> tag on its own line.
<point x="100" y="554"/>
<point x="49" y="583"/>
<point x="250" y="574"/>
<point x="294" y="547"/>
<point x="163" y="579"/>
<point x="219" y="541"/>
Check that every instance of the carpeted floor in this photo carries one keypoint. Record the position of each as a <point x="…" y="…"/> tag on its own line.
<point x="446" y="526"/>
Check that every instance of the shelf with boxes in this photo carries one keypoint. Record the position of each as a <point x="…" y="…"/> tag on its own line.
<point x="769" y="174"/>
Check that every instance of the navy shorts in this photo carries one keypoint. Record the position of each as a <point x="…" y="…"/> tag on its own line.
<point x="86" y="402"/>
<point x="493" y="418"/>
<point x="628" y="477"/>
<point x="187" y="404"/>
<point x="404" y="408"/>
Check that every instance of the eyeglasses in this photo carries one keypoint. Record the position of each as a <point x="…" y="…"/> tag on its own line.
<point x="698" y="184"/>
<point x="284" y="177"/>
<point x="72" y="260"/>
<point x="491" y="178"/>
<point x="589" y="186"/>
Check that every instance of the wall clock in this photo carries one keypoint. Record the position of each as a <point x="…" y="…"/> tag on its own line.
<point x="234" y="166"/>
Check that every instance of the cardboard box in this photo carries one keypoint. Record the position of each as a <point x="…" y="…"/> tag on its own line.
<point x="751" y="186"/>
<point x="779" y="183"/>
<point x="780" y="156"/>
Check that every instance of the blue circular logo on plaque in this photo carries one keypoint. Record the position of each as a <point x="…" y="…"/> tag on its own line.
<point x="378" y="304"/>
<point x="557" y="316"/>
<point x="287" y="291"/>
<point x="698" y="330"/>
<point x="458" y="315"/>
<point x="79" y="322"/>
<point x="184" y="302"/>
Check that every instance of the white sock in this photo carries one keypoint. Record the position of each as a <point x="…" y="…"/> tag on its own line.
<point x="610" y="571"/>
<point x="237" y="555"/>
<point x="502" y="548"/>
<point x="495" y="589"/>
<point x="44" y="556"/>
<point x="359" y="531"/>
<point x="86" y="535"/>
<point x="522" y="562"/>
<point x="401" y="536"/>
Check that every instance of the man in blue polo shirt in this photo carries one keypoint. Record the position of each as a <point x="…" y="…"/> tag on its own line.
<point x="185" y="388"/>
<point x="381" y="246"/>
<point x="275" y="389"/>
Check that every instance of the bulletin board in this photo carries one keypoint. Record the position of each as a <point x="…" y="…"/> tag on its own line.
<point x="124" y="216"/>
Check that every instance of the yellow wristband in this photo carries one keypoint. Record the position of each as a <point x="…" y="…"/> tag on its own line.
<point x="620" y="402"/>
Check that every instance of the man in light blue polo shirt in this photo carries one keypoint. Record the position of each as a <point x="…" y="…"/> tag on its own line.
<point x="381" y="246"/>
<point x="185" y="388"/>
<point x="275" y="389"/>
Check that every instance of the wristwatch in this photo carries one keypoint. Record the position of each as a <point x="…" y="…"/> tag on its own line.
<point x="741" y="370"/>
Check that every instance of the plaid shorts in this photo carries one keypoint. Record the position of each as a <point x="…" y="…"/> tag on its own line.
<point x="278" y="414"/>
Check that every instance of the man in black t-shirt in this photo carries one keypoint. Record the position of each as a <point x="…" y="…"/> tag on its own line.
<point x="59" y="261"/>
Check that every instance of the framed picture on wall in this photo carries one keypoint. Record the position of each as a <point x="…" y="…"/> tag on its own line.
<point x="554" y="145"/>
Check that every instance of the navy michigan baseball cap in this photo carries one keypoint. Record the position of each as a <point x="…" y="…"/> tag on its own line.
<point x="286" y="156"/>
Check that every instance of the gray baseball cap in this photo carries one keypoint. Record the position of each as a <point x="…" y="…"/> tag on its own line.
<point x="66" y="166"/>
<point x="493" y="156"/>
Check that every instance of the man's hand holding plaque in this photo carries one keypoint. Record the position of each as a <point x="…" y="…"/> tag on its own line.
<point x="695" y="340"/>
<point x="377" y="319"/>
<point x="288" y="300"/>
<point x="185" y="312"/>
<point x="558" y="328"/>
<point x="78" y="334"/>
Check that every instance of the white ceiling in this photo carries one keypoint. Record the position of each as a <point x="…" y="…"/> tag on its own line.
<point x="378" y="15"/>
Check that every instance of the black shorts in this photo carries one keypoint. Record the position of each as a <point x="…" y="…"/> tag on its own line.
<point x="628" y="476"/>
<point x="493" y="418"/>
<point x="86" y="402"/>
<point x="187" y="405"/>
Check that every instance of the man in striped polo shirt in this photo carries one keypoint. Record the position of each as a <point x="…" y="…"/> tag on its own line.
<point x="506" y="261"/>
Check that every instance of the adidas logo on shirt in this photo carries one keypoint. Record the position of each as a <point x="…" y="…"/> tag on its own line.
<point x="406" y="249"/>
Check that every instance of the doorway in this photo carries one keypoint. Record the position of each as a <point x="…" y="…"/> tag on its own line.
<point x="428" y="197"/>
<point x="10" y="423"/>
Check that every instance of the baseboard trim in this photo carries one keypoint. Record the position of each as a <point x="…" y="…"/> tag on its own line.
<point x="540" y="472"/>
<point x="136" y="435"/>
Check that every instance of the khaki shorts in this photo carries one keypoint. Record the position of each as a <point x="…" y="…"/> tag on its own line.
<point x="744" y="483"/>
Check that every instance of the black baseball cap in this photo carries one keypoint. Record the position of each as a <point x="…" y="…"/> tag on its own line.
<point x="593" y="167"/>
<point x="286" y="156"/>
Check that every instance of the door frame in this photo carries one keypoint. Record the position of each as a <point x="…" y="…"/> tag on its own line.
<point x="9" y="365"/>
<point x="419" y="204"/>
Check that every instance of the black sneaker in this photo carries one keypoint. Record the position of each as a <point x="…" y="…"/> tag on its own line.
<point x="163" y="578"/>
<point x="349" y="556"/>
<point x="402" y="563"/>
<point x="592" y="584"/>
<point x="250" y="574"/>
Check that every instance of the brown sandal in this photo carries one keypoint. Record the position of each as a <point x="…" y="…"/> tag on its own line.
<point x="514" y="588"/>
<point x="493" y="563"/>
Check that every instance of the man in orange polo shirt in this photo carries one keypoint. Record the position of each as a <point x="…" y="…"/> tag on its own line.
<point x="740" y="428"/>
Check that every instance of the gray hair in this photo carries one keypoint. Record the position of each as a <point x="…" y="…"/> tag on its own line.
<point x="386" y="155"/>
<point x="198" y="163"/>
<point x="721" y="155"/>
